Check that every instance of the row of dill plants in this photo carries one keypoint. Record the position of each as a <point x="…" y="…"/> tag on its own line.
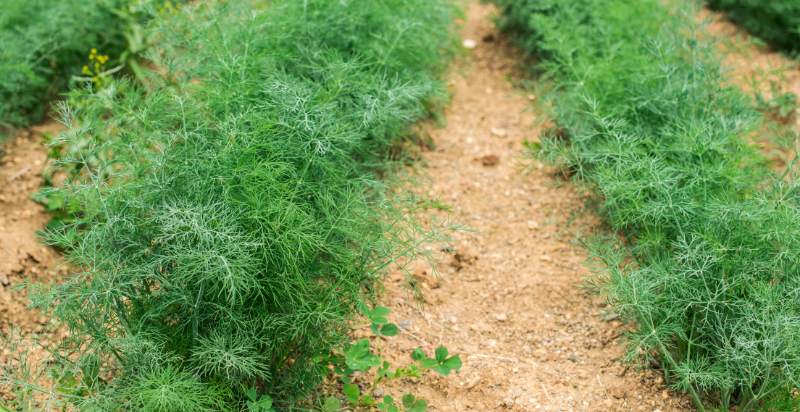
<point x="707" y="269"/>
<point x="46" y="44"/>
<point x="775" y="21"/>
<point x="227" y="211"/>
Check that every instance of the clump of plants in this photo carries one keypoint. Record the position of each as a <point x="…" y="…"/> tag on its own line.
<point x="226" y="211"/>
<point x="361" y="371"/>
<point x="46" y="45"/>
<point x="775" y="21"/>
<point x="708" y="270"/>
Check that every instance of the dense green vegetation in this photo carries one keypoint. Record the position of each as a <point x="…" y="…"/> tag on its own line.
<point x="44" y="43"/>
<point x="775" y="21"/>
<point x="226" y="210"/>
<point x="710" y="274"/>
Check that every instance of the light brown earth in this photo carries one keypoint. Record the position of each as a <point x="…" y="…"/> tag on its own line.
<point x="509" y="298"/>
<point x="22" y="255"/>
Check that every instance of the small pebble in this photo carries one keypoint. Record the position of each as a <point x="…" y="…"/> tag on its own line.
<point x="499" y="132"/>
<point x="490" y="160"/>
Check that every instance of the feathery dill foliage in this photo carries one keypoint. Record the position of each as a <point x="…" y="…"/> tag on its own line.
<point x="775" y="21"/>
<point x="711" y="276"/>
<point x="227" y="213"/>
<point x="42" y="44"/>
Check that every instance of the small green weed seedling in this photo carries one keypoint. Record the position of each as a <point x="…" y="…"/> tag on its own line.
<point x="258" y="403"/>
<point x="440" y="363"/>
<point x="380" y="324"/>
<point x="361" y="370"/>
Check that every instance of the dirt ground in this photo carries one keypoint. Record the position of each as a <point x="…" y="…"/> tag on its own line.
<point x="22" y="256"/>
<point x="509" y="297"/>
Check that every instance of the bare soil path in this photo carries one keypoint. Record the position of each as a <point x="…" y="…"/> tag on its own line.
<point x="509" y="297"/>
<point x="22" y="255"/>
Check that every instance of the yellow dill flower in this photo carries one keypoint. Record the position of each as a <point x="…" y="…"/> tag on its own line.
<point x="167" y="7"/>
<point x="95" y="67"/>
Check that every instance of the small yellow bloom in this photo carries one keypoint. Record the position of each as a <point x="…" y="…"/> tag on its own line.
<point x="95" y="67"/>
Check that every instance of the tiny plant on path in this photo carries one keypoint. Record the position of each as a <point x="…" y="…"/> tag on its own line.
<point x="440" y="363"/>
<point x="361" y="370"/>
<point x="380" y="325"/>
<point x="256" y="403"/>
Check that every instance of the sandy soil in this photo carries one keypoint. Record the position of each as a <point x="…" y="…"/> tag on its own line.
<point x="22" y="256"/>
<point x="509" y="298"/>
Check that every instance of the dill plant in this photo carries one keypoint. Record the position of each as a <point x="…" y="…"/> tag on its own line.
<point x="226" y="212"/>
<point x="775" y="21"/>
<point x="709" y="275"/>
